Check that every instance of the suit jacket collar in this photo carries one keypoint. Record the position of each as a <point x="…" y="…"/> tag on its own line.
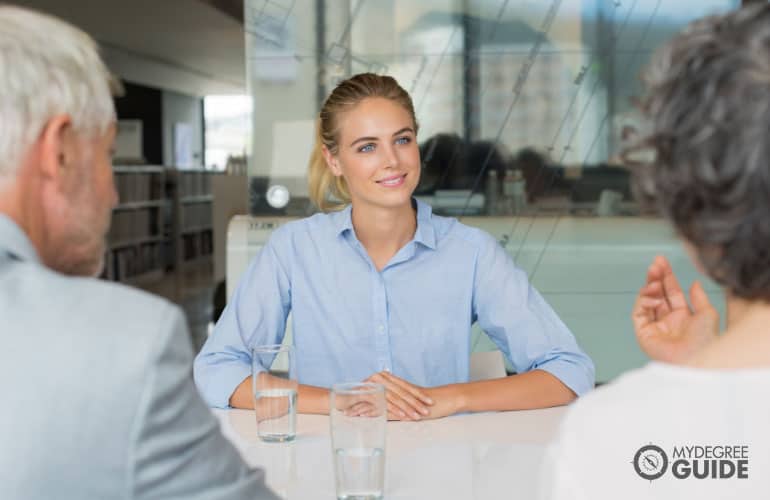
<point x="14" y="242"/>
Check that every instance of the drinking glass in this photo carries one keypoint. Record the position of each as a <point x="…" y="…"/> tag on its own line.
<point x="358" y="414"/>
<point x="274" y="385"/>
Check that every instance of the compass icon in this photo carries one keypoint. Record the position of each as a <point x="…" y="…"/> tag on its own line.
<point x="650" y="462"/>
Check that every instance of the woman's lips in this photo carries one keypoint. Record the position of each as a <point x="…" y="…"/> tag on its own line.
<point x="394" y="181"/>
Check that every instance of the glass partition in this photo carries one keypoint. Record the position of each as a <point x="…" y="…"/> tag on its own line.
<point x="523" y="105"/>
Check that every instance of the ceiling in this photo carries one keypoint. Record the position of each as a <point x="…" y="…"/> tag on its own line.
<point x="189" y="46"/>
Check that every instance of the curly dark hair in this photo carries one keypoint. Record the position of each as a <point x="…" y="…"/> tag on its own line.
<point x="708" y="102"/>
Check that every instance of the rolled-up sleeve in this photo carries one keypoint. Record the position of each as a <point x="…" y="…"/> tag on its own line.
<point x="522" y="324"/>
<point x="255" y="315"/>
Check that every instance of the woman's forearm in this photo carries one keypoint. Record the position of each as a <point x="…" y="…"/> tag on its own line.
<point x="525" y="391"/>
<point x="310" y="399"/>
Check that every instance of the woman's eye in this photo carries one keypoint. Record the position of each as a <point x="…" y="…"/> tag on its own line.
<point x="366" y="148"/>
<point x="403" y="140"/>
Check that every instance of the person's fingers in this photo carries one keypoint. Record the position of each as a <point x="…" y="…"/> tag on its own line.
<point x="663" y="308"/>
<point x="361" y="408"/>
<point x="394" y="413"/>
<point x="646" y="315"/>
<point x="395" y="395"/>
<point x="352" y="410"/>
<point x="647" y="306"/>
<point x="416" y="391"/>
<point x="641" y="316"/>
<point x="662" y="262"/>
<point x="401" y="407"/>
<point x="406" y="402"/>
<point x="699" y="298"/>
<point x="655" y="270"/>
<point x="673" y="291"/>
<point x="658" y="268"/>
<point x="649" y="303"/>
<point x="640" y="322"/>
<point x="662" y="282"/>
<point x="654" y="290"/>
<point x="401" y="394"/>
<point x="651" y="296"/>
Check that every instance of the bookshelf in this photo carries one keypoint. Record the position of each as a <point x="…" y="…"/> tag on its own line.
<point x="193" y="228"/>
<point x="136" y="242"/>
<point x="163" y="220"/>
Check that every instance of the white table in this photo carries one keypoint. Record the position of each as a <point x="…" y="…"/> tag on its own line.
<point x="478" y="456"/>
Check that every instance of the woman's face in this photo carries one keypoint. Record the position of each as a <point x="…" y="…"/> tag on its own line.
<point x="377" y="154"/>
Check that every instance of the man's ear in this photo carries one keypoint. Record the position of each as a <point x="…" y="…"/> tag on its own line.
<point x="56" y="145"/>
<point x="331" y="161"/>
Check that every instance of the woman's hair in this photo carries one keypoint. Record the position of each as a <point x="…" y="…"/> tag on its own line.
<point x="708" y="101"/>
<point x="327" y="191"/>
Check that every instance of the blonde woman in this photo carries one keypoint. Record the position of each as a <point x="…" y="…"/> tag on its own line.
<point x="381" y="289"/>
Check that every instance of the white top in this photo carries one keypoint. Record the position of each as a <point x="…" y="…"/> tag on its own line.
<point x="673" y="408"/>
<point x="463" y="457"/>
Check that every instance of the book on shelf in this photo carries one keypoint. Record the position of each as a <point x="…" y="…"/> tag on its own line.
<point x="133" y="261"/>
<point x="196" y="217"/>
<point x="137" y="186"/>
<point x="133" y="225"/>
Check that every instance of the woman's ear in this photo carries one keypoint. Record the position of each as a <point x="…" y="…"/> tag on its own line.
<point x="331" y="161"/>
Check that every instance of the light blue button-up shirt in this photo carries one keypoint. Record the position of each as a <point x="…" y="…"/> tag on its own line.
<point x="412" y="318"/>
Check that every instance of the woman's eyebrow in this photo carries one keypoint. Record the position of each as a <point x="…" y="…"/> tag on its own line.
<point x="374" y="139"/>
<point x="405" y="129"/>
<point x="363" y="139"/>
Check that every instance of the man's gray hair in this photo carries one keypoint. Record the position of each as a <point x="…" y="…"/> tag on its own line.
<point x="47" y="67"/>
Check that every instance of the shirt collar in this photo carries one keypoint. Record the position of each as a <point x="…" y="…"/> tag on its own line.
<point x="15" y="241"/>
<point x="343" y="219"/>
<point x="425" y="233"/>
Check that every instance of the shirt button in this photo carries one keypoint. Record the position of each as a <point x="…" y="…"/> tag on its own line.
<point x="380" y="328"/>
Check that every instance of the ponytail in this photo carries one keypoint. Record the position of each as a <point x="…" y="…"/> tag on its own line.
<point x="328" y="192"/>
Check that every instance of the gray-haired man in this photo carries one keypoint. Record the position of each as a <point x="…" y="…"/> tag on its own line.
<point x="97" y="396"/>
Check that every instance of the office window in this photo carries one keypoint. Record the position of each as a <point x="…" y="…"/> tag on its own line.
<point x="534" y="90"/>
<point x="227" y="120"/>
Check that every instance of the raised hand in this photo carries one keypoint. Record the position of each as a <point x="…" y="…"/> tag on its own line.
<point x="666" y="327"/>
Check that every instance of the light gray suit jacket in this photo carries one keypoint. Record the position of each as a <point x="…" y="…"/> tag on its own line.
<point x="96" y="394"/>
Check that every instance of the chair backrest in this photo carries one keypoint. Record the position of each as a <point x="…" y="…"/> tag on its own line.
<point x="487" y="365"/>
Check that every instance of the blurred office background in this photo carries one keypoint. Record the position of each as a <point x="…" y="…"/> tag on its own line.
<point x="524" y="108"/>
<point x="523" y="105"/>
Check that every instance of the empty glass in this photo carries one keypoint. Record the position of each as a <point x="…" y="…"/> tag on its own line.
<point x="274" y="385"/>
<point x="358" y="414"/>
